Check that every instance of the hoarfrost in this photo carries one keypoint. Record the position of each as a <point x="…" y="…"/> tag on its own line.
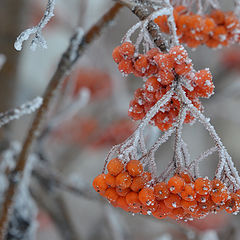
<point x="38" y="39"/>
<point x="26" y="108"/>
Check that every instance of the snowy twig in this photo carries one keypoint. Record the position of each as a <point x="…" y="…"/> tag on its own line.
<point x="65" y="65"/>
<point x="26" y="108"/>
<point x="38" y="39"/>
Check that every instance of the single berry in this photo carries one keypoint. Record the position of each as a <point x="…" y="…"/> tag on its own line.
<point x="176" y="184"/>
<point x="134" y="168"/>
<point x="115" y="166"/>
<point x="123" y="180"/>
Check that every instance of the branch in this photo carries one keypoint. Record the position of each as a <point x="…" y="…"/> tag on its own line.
<point x="38" y="39"/>
<point x="65" y="65"/>
<point x="26" y="108"/>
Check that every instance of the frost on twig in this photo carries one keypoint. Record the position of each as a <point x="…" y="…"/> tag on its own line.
<point x="38" y="39"/>
<point x="26" y="108"/>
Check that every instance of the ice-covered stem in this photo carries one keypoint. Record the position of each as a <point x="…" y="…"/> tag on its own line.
<point x="177" y="157"/>
<point x="38" y="39"/>
<point x="203" y="156"/>
<point x="237" y="8"/>
<point x="223" y="154"/>
<point x="26" y="108"/>
<point x="143" y="12"/>
<point x="65" y="65"/>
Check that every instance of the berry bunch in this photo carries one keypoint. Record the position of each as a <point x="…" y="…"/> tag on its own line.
<point x="215" y="29"/>
<point x="131" y="188"/>
<point x="161" y="70"/>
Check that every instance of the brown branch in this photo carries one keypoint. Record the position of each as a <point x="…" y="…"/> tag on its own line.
<point x="65" y="65"/>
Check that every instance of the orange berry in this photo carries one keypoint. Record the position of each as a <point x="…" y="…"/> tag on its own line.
<point x="177" y="213"/>
<point x="134" y="167"/>
<point x="231" y="21"/>
<point x="132" y="200"/>
<point x="116" y="55"/>
<point x="219" y="33"/>
<point x="147" y="176"/>
<point x="219" y="195"/>
<point x="232" y="205"/>
<point x="99" y="183"/>
<point x="178" y="54"/>
<point x="217" y="186"/>
<point x="138" y="183"/>
<point x="122" y="203"/>
<point x="202" y="186"/>
<point x="115" y="166"/>
<point x="125" y="66"/>
<point x="196" y="23"/>
<point x="207" y="206"/>
<point x="173" y="201"/>
<point x="176" y="184"/>
<point x="218" y="16"/>
<point x="123" y="180"/>
<point x="122" y="192"/>
<point x="189" y="206"/>
<point x="186" y="177"/>
<point x="183" y="23"/>
<point x="209" y="25"/>
<point x="127" y="50"/>
<point x="183" y="68"/>
<point x="212" y="43"/>
<point x="110" y="180"/>
<point x="152" y="52"/>
<point x="202" y="198"/>
<point x="162" y="211"/>
<point x="136" y="111"/>
<point x="165" y="62"/>
<point x="161" y="191"/>
<point x="141" y="64"/>
<point x="165" y="77"/>
<point x="162" y="22"/>
<point x="238" y="192"/>
<point x="152" y="84"/>
<point x="111" y="195"/>
<point x="203" y="80"/>
<point x="147" y="197"/>
<point x="188" y="193"/>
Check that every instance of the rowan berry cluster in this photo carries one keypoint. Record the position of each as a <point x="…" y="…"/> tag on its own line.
<point x="216" y="29"/>
<point x="161" y="70"/>
<point x="131" y="188"/>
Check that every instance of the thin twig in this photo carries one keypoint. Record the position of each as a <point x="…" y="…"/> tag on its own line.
<point x="143" y="12"/>
<point x="65" y="65"/>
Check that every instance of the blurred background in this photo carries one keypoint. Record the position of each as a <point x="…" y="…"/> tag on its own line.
<point x="75" y="140"/>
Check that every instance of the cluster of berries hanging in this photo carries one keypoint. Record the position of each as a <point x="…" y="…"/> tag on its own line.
<point x="161" y="69"/>
<point x="169" y="97"/>
<point x="215" y="29"/>
<point x="128" y="186"/>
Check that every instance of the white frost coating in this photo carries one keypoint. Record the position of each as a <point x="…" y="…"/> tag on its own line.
<point x="2" y="60"/>
<point x="26" y="108"/>
<point x="38" y="39"/>
<point x="75" y="43"/>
